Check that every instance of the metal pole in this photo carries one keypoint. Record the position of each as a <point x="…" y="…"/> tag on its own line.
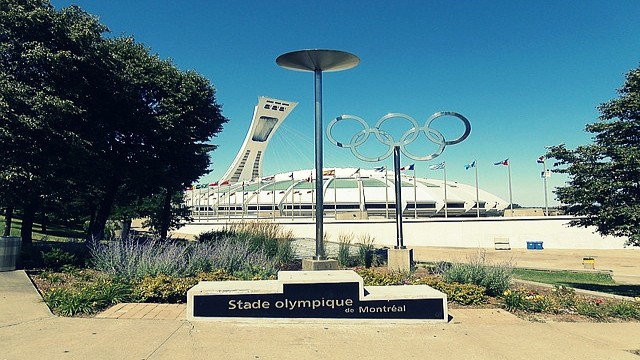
<point x="544" y="178"/>
<point x="510" y="193"/>
<point x="444" y="172"/>
<point x="386" y="192"/>
<point x="335" y="195"/>
<point x="415" y="194"/>
<point x="218" y="202"/>
<point x="398" y="188"/>
<point x="319" y="195"/>
<point x="477" y="191"/>
<point x="273" y="207"/>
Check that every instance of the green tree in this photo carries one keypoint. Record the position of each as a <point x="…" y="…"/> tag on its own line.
<point x="89" y="124"/>
<point x="604" y="177"/>
<point x="43" y="54"/>
<point x="150" y="136"/>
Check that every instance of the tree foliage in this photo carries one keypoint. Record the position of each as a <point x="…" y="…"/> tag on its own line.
<point x="89" y="124"/>
<point x="604" y="177"/>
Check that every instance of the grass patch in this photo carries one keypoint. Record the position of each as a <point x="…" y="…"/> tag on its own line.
<point x="594" y="281"/>
<point x="563" y="277"/>
<point x="54" y="232"/>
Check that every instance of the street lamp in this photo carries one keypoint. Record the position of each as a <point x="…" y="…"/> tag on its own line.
<point x="317" y="61"/>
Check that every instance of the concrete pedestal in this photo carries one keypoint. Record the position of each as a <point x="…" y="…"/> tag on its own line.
<point x="331" y="294"/>
<point x="399" y="259"/>
<point x="315" y="265"/>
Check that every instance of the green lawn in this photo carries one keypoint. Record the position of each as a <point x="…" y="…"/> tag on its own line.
<point x="53" y="233"/>
<point x="595" y="281"/>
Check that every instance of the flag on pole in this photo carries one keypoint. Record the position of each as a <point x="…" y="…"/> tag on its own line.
<point x="504" y="162"/>
<point x="540" y="160"/>
<point x="214" y="184"/>
<point x="268" y="178"/>
<point x="224" y="183"/>
<point x="189" y="188"/>
<point x="380" y="168"/>
<point x="407" y="167"/>
<point x="470" y="165"/>
<point x="437" y="166"/>
<point x="331" y="172"/>
<point x="291" y="176"/>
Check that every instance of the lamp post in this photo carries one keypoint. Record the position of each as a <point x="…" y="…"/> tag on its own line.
<point x="317" y="61"/>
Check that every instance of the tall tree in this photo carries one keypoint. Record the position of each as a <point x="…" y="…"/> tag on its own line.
<point x="604" y="177"/>
<point x="151" y="133"/>
<point x="42" y="56"/>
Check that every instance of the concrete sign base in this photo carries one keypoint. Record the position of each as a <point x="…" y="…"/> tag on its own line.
<point x="337" y="294"/>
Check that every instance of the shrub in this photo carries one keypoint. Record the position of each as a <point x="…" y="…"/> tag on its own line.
<point x="594" y="308"/>
<point x="463" y="294"/>
<point x="495" y="278"/>
<point x="262" y="237"/>
<point x="55" y="259"/>
<point x="134" y="259"/>
<point x="163" y="288"/>
<point x="87" y="298"/>
<point x="372" y="277"/>
<point x="515" y="300"/>
<point x="367" y="255"/>
<point x="344" y="251"/>
<point x="624" y="310"/>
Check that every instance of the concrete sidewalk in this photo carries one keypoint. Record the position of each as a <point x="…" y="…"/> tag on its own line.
<point x="29" y="331"/>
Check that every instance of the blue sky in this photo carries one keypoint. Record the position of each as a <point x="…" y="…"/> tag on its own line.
<point x="525" y="73"/>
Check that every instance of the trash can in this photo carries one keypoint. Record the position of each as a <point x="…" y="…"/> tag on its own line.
<point x="589" y="262"/>
<point x="9" y="252"/>
<point x="534" y="245"/>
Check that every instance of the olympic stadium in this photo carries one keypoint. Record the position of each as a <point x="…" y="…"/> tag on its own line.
<point x="362" y="201"/>
<point x="349" y="193"/>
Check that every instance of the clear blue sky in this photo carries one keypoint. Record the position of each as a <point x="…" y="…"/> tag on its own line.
<point x="526" y="73"/>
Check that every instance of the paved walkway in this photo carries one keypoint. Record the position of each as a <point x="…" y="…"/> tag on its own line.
<point x="28" y="330"/>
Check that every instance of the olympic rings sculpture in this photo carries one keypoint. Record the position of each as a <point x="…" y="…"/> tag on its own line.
<point x="407" y="138"/>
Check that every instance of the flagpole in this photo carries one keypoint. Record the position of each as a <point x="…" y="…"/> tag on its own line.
<point x="510" y="192"/>
<point x="415" y="194"/>
<point x="335" y="195"/>
<point x="193" y="200"/>
<point x="273" y="208"/>
<point x="217" y="202"/>
<point x="258" y="198"/>
<point x="314" y="208"/>
<point x="293" y="200"/>
<point x="359" y="182"/>
<point x="386" y="192"/>
<point x="544" y="178"/>
<point x="446" y="215"/>
<point x="229" y="202"/>
<point x="477" y="191"/>
<point x="243" y="203"/>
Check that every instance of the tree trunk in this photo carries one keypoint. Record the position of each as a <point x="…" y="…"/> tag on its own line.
<point x="103" y="212"/>
<point x="8" y="218"/>
<point x="165" y="215"/>
<point x="43" y="222"/>
<point x="26" y="232"/>
<point x="125" y="228"/>
<point x="102" y="215"/>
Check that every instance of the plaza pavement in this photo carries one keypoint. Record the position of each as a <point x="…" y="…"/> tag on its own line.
<point x="28" y="330"/>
